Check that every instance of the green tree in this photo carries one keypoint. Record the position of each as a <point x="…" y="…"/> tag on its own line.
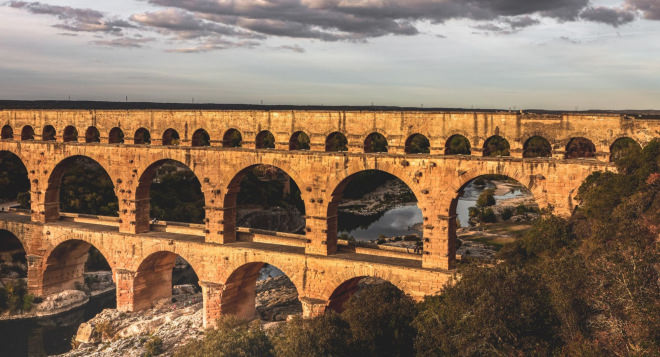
<point x="380" y="318"/>
<point x="233" y="337"/>
<point x="326" y="335"/>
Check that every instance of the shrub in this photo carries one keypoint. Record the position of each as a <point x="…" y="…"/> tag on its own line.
<point x="380" y="318"/>
<point x="486" y="198"/>
<point x="233" y="337"/>
<point x="153" y="347"/>
<point x="507" y="213"/>
<point x="326" y="335"/>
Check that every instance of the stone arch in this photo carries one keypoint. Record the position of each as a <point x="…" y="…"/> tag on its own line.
<point x="457" y="144"/>
<point x="537" y="146"/>
<point x="116" y="136"/>
<point x="239" y="293"/>
<point x="64" y="265"/>
<point x="375" y="142"/>
<point x="580" y="147"/>
<point x="142" y="137"/>
<point x="201" y="138"/>
<point x="153" y="278"/>
<point x="52" y="194"/>
<point x="233" y="189"/>
<point x="621" y="145"/>
<point x="70" y="134"/>
<point x="92" y="135"/>
<point x="27" y="133"/>
<point x="336" y="142"/>
<point x="48" y="133"/>
<point x="171" y="137"/>
<point x="232" y="138"/>
<point x="337" y="195"/>
<point x="417" y="144"/>
<point x="7" y="133"/>
<point x="496" y="146"/>
<point x="341" y="292"/>
<point x="13" y="253"/>
<point x="16" y="175"/>
<point x="143" y="190"/>
<point x="265" y="140"/>
<point x="299" y="141"/>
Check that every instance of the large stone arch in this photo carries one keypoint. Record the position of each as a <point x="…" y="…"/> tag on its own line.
<point x="63" y="264"/>
<point x="533" y="182"/>
<point x="152" y="280"/>
<point x="239" y="288"/>
<point x="335" y="190"/>
<point x="233" y="188"/>
<point x="147" y="172"/>
<point x="337" y="281"/>
<point x="51" y="197"/>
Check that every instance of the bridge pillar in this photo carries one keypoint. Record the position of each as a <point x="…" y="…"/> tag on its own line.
<point x="284" y="146"/>
<point x="440" y="242"/>
<point x="212" y="298"/>
<point x="134" y="218"/>
<point x="321" y="235"/>
<point x="313" y="307"/>
<point x="124" y="280"/>
<point x="35" y="275"/>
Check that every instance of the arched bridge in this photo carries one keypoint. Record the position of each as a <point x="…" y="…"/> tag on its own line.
<point x="320" y="151"/>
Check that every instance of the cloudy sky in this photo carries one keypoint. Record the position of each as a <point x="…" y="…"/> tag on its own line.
<point x="551" y="54"/>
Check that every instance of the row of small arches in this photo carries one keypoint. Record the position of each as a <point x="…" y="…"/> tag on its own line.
<point x="536" y="146"/>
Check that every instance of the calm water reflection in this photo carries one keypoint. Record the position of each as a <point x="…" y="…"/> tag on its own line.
<point x="400" y="220"/>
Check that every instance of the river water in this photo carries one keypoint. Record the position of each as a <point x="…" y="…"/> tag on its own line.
<point x="401" y="220"/>
<point x="49" y="335"/>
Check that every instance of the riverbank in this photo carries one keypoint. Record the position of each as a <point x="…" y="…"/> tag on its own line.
<point x="174" y="321"/>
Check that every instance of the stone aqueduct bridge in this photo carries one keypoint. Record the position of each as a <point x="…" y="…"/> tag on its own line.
<point x="227" y="259"/>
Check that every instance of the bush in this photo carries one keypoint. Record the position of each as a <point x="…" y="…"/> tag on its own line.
<point x="486" y="199"/>
<point x="14" y="297"/>
<point x="153" y="347"/>
<point x="507" y="213"/>
<point x="233" y="337"/>
<point x="488" y="216"/>
<point x="380" y="318"/>
<point x="326" y="335"/>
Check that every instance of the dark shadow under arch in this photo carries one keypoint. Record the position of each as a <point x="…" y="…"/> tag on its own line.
<point x="350" y="287"/>
<point x="496" y="146"/>
<point x="66" y="264"/>
<point x="537" y="146"/>
<point x="48" y="134"/>
<point x="232" y="139"/>
<point x="92" y="135"/>
<point x="176" y="196"/>
<point x="79" y="184"/>
<point x="156" y="276"/>
<point x="201" y="138"/>
<point x="171" y="137"/>
<point x="265" y="140"/>
<point x="27" y="133"/>
<point x="375" y="142"/>
<point x="417" y="144"/>
<point x="142" y="137"/>
<point x="116" y="136"/>
<point x="70" y="134"/>
<point x="580" y="147"/>
<point x="299" y="141"/>
<point x="336" y="142"/>
<point x="457" y="145"/>
<point x="239" y="298"/>
<point x="271" y="198"/>
<point x="7" y="133"/>
<point x="14" y="180"/>
<point x="13" y="256"/>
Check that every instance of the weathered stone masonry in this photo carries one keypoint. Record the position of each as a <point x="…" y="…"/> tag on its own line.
<point x="142" y="259"/>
